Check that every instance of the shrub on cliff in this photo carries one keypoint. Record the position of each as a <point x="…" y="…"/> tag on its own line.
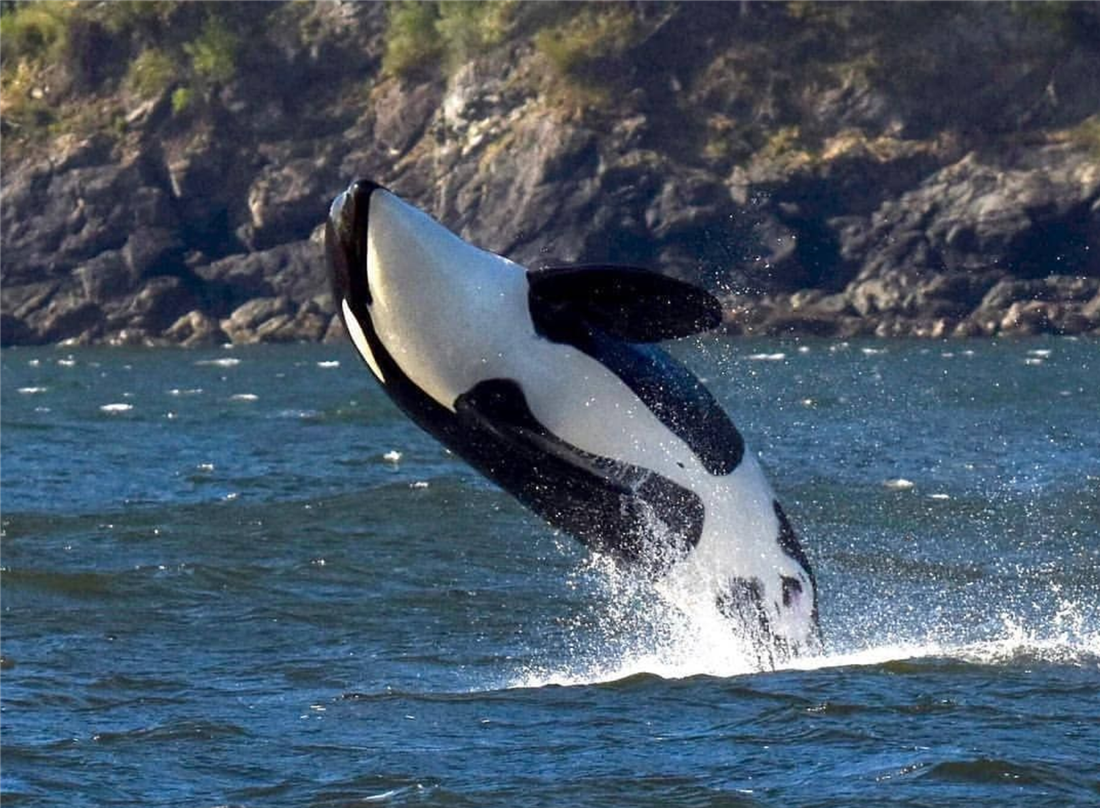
<point x="33" y="36"/>
<point x="34" y="31"/>
<point x="579" y="47"/>
<point x="64" y="63"/>
<point x="421" y="35"/>
<point x="412" y="41"/>
<point x="213" y="52"/>
<point x="151" y="73"/>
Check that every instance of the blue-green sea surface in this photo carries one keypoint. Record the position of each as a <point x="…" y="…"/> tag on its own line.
<point x="241" y="577"/>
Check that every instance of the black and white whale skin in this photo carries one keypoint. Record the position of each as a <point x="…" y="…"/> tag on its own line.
<point x="549" y="383"/>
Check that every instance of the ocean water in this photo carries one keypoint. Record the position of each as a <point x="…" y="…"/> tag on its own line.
<point x="241" y="577"/>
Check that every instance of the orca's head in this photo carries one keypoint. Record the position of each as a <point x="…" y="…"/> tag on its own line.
<point x="385" y="257"/>
<point x="381" y="248"/>
<point x="413" y="296"/>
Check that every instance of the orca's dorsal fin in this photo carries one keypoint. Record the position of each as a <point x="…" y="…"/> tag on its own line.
<point x="633" y="304"/>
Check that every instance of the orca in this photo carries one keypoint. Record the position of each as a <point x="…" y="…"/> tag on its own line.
<point x="549" y="382"/>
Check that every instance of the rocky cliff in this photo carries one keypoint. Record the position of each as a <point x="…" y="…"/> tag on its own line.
<point x="910" y="169"/>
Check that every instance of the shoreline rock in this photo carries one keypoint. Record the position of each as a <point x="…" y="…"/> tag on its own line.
<point x="841" y="212"/>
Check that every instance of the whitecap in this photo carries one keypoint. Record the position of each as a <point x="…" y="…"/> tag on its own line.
<point x="244" y="397"/>
<point x="767" y="357"/>
<point x="224" y="362"/>
<point x="116" y="407"/>
<point x="899" y="484"/>
<point x="68" y="362"/>
<point x="392" y="456"/>
<point x="331" y="363"/>
<point x="384" y="796"/>
<point x="301" y="415"/>
<point x="873" y="351"/>
<point x="191" y="391"/>
<point x="419" y="484"/>
<point x="30" y="391"/>
<point x="939" y="496"/>
<point x="1042" y="353"/>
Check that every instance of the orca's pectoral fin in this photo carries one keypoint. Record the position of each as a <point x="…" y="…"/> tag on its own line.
<point x="634" y="304"/>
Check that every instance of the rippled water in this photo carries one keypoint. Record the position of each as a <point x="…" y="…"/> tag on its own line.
<point x="241" y="577"/>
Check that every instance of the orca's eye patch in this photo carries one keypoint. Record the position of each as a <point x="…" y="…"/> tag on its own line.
<point x="792" y="588"/>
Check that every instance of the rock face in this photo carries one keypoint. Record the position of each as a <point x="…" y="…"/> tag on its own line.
<point x="785" y="160"/>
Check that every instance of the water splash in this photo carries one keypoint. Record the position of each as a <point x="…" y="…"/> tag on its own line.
<point x="640" y="627"/>
<point x="646" y="628"/>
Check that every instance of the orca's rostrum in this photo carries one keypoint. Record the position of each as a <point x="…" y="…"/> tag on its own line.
<point x="549" y="382"/>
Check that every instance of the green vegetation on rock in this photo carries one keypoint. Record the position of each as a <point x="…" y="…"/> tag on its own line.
<point x="1087" y="134"/>
<point x="182" y="99"/>
<point x="421" y="35"/>
<point x="213" y="52"/>
<point x="470" y="27"/>
<point x="33" y="35"/>
<point x="151" y="73"/>
<point x="412" y="41"/>
<point x="64" y="63"/>
<point x="577" y="47"/>
<point x="35" y="31"/>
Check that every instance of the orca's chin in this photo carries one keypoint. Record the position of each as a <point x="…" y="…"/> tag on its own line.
<point x="346" y="236"/>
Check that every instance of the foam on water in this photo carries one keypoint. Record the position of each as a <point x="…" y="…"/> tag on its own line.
<point x="648" y="629"/>
<point x="640" y="627"/>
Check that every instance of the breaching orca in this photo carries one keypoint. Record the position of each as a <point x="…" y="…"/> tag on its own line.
<point x="549" y="383"/>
